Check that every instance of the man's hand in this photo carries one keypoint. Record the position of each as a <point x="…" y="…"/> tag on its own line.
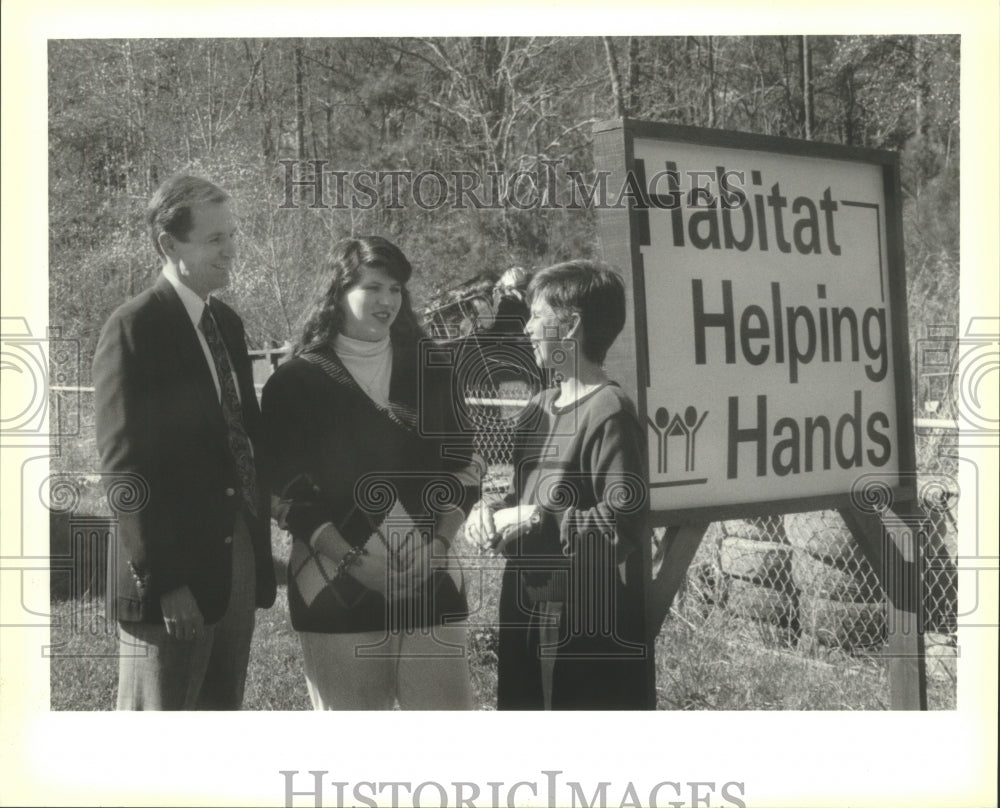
<point x="480" y="528"/>
<point x="181" y="614"/>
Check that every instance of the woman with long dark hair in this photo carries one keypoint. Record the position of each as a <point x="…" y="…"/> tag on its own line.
<point x="361" y="453"/>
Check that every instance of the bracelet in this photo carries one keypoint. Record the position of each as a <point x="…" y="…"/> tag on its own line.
<point x="350" y="558"/>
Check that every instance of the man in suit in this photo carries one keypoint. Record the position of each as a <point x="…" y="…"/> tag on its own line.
<point x="177" y="411"/>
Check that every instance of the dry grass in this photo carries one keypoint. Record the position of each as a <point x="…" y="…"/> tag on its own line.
<point x="710" y="660"/>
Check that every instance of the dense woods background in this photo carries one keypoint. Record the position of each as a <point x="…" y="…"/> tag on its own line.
<point x="124" y="114"/>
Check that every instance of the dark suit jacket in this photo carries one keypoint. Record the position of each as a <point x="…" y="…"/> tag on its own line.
<point x="159" y="417"/>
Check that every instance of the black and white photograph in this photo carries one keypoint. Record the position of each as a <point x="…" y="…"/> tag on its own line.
<point x="436" y="366"/>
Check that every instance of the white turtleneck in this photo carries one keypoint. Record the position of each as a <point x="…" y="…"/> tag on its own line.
<point x="370" y="363"/>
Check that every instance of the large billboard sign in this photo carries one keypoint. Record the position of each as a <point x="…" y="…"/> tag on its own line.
<point x="770" y="359"/>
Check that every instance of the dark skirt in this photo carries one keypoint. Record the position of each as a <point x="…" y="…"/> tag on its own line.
<point x="590" y="665"/>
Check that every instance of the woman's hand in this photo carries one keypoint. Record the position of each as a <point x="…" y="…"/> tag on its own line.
<point x="279" y="510"/>
<point x="480" y="528"/>
<point x="509" y="517"/>
<point x="372" y="570"/>
<point x="512" y="523"/>
<point x="417" y="562"/>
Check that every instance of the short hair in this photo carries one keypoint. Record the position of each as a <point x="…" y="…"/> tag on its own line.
<point x="169" y="209"/>
<point x="341" y="269"/>
<point x="590" y="289"/>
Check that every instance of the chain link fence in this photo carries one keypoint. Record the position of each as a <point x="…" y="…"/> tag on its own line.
<point x="494" y="411"/>
<point x="804" y="575"/>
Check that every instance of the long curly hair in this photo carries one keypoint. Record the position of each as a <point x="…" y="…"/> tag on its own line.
<point x="340" y="270"/>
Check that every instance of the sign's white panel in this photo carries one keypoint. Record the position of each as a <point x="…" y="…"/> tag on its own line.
<point x="766" y="291"/>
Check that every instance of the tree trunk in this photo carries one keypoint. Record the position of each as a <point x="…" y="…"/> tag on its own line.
<point x="210" y="77"/>
<point x="616" y="85"/>
<point x="919" y="111"/>
<point x="330" y="99"/>
<point x="267" y="141"/>
<point x="300" y="111"/>
<point x="711" y="82"/>
<point x="808" y="120"/>
<point x="847" y="90"/>
<point x="632" y="76"/>
<point x="918" y="101"/>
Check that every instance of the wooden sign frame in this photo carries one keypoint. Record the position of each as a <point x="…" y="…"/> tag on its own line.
<point x="620" y="230"/>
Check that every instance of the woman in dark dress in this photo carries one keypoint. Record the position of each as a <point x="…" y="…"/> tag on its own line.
<point x="370" y="493"/>
<point x="572" y="628"/>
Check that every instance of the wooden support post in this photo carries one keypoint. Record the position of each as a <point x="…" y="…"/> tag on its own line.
<point x="894" y="544"/>
<point x="673" y="557"/>
<point x="677" y="548"/>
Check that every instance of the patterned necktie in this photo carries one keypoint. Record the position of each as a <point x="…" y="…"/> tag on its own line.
<point x="239" y="442"/>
